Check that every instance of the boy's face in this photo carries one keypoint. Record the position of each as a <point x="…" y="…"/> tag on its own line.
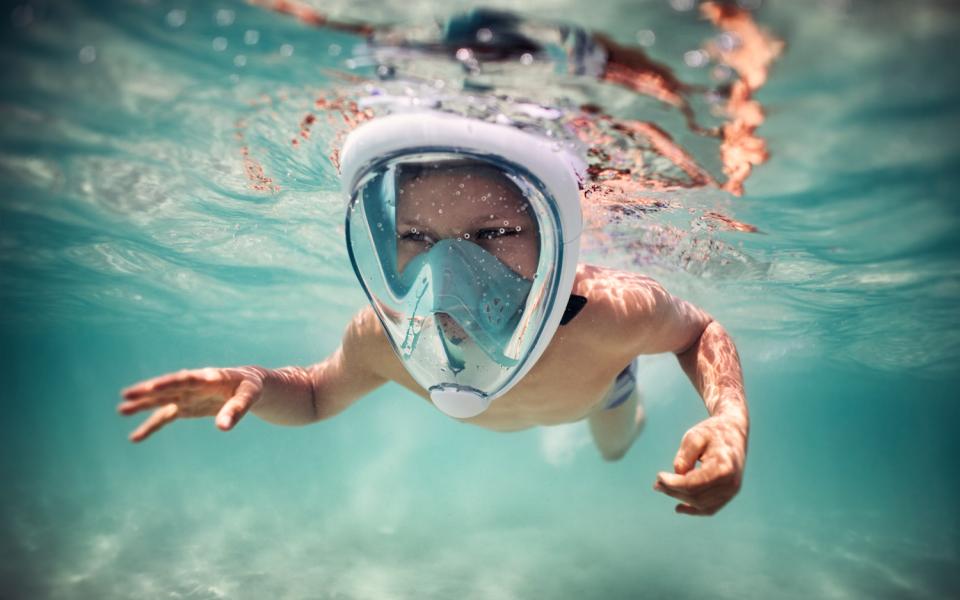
<point x="469" y="201"/>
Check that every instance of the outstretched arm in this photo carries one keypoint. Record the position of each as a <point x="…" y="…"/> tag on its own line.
<point x="297" y="395"/>
<point x="287" y="396"/>
<point x="708" y="356"/>
<point x="719" y="443"/>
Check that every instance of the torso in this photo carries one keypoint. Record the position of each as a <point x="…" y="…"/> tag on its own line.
<point x="573" y="376"/>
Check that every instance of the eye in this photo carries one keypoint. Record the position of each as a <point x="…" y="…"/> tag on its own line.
<point x="494" y="233"/>
<point x="416" y="236"/>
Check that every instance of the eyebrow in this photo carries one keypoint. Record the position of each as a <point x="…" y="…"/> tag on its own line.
<point x="475" y="222"/>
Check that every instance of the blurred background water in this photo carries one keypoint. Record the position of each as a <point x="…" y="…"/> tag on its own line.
<point x="132" y="243"/>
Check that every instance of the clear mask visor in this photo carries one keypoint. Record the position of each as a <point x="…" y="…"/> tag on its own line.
<point x="458" y="255"/>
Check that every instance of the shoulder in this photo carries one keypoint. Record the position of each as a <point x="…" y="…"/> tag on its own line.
<point x="635" y="312"/>
<point x="617" y="303"/>
<point x="619" y="294"/>
<point x="365" y="343"/>
<point x="366" y="346"/>
<point x="364" y="327"/>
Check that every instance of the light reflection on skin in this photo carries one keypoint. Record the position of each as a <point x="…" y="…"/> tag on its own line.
<point x="751" y="55"/>
<point x="712" y="363"/>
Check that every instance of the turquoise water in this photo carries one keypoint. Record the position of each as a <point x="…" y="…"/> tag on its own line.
<point x="132" y="244"/>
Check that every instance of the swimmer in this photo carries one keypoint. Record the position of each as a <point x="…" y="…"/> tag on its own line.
<point x="465" y="237"/>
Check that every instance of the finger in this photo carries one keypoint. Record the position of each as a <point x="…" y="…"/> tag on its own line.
<point x="691" y="448"/>
<point x="698" y="498"/>
<point x="679" y="495"/>
<point x="692" y="496"/>
<point x="686" y="509"/>
<point x="694" y="481"/>
<point x="709" y="503"/>
<point x="158" y="419"/>
<point x="130" y="407"/>
<point x="717" y="496"/>
<point x="181" y="380"/>
<point x="236" y="407"/>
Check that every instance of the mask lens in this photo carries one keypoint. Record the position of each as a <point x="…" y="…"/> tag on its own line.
<point x="457" y="255"/>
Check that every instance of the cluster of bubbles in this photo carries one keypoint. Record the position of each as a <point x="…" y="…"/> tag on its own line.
<point x="225" y="18"/>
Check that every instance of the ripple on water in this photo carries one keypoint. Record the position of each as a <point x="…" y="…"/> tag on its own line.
<point x="161" y="177"/>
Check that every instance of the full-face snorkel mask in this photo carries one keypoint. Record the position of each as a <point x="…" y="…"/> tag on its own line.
<point x="469" y="299"/>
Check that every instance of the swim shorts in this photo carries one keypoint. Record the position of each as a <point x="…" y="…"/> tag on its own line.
<point x="624" y="385"/>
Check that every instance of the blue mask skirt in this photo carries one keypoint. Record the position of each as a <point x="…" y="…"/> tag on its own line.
<point x="479" y="293"/>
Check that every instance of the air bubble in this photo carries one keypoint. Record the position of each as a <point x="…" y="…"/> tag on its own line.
<point x="646" y="37"/>
<point x="225" y="17"/>
<point x="176" y="17"/>
<point x="219" y="44"/>
<point x="695" y="58"/>
<point x="728" y="41"/>
<point x="87" y="55"/>
<point x="251" y="37"/>
<point x="721" y="73"/>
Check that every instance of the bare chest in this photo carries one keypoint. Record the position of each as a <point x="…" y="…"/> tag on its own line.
<point x="568" y="383"/>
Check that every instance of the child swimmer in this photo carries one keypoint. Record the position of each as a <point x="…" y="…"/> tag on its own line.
<point x="465" y="235"/>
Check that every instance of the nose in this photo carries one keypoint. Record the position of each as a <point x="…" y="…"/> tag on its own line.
<point x="451" y="329"/>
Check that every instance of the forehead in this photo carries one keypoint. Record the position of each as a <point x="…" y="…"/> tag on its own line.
<point x="468" y="183"/>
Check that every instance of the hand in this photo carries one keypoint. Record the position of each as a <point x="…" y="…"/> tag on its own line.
<point x="226" y="393"/>
<point x="720" y="444"/>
